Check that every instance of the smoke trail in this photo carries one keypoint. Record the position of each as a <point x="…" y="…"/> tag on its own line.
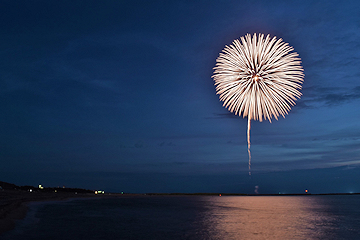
<point x="256" y="189"/>
<point x="248" y="140"/>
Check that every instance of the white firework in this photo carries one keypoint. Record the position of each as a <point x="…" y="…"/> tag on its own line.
<point x="258" y="78"/>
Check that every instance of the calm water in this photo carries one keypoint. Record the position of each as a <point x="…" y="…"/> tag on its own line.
<point x="194" y="217"/>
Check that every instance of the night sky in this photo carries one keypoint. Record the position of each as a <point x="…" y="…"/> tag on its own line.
<point x="118" y="95"/>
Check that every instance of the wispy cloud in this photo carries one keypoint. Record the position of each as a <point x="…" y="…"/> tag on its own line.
<point x="328" y="96"/>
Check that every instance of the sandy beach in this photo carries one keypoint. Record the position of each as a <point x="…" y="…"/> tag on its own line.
<point x="13" y="204"/>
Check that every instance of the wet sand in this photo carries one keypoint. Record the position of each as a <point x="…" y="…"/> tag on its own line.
<point x="13" y="204"/>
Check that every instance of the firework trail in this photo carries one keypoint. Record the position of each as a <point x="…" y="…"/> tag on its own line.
<point x="248" y="140"/>
<point x="258" y="78"/>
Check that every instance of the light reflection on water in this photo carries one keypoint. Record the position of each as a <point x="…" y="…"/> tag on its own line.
<point x="194" y="217"/>
<point x="267" y="218"/>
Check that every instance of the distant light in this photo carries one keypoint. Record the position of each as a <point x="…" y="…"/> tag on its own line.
<point x="41" y="187"/>
<point x="30" y="190"/>
<point x="220" y="195"/>
<point x="306" y="191"/>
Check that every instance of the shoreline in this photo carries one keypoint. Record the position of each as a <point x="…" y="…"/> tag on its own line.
<point x="14" y="204"/>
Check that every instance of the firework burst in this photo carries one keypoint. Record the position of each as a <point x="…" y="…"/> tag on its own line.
<point x="258" y="78"/>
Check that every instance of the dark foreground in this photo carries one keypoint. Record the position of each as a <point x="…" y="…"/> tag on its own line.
<point x="192" y="217"/>
<point x="13" y="204"/>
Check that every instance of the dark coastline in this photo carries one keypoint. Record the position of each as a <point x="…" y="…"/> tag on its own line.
<point x="144" y="209"/>
<point x="14" y="204"/>
<point x="14" y="200"/>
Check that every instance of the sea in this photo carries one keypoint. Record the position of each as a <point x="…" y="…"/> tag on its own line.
<point x="193" y="217"/>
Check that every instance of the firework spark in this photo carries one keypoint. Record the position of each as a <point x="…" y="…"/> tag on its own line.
<point x="258" y="78"/>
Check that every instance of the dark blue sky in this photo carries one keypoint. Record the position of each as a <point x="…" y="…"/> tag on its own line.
<point x="118" y="95"/>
